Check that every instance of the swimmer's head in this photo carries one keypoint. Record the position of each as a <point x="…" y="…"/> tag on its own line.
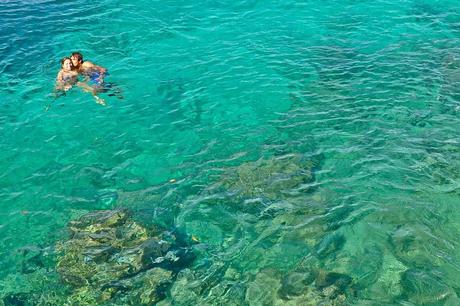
<point x="66" y="63"/>
<point x="77" y="59"/>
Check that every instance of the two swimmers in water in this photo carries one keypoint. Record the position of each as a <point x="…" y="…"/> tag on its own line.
<point x="93" y="77"/>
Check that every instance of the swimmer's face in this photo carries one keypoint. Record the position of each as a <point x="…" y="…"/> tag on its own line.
<point x="75" y="61"/>
<point x="67" y="65"/>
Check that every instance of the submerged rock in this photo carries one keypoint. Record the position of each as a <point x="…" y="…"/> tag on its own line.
<point x="34" y="258"/>
<point x="110" y="257"/>
<point x="330" y="244"/>
<point x="269" y="287"/>
<point x="270" y="178"/>
<point x="263" y="289"/>
<point x="15" y="299"/>
<point x="416" y="246"/>
<point x="294" y="283"/>
<point x="338" y="280"/>
<point x="423" y="288"/>
<point x="187" y="288"/>
<point x="145" y="287"/>
<point x="40" y="287"/>
<point x="209" y="283"/>
<point x="387" y="288"/>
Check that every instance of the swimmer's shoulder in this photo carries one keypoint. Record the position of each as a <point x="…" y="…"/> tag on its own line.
<point x="87" y="65"/>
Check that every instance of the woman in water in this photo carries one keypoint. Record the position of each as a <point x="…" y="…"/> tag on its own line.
<point x="66" y="77"/>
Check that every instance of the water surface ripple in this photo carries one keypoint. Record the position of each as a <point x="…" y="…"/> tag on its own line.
<point x="310" y="149"/>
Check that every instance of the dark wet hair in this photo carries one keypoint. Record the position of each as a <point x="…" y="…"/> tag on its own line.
<point x="64" y="59"/>
<point x="78" y="55"/>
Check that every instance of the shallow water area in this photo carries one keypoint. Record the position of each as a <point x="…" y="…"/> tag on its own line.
<point x="306" y="153"/>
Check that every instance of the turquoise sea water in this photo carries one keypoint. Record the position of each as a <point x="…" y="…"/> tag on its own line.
<point x="215" y="93"/>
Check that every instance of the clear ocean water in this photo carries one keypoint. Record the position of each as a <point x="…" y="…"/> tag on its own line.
<point x="219" y="96"/>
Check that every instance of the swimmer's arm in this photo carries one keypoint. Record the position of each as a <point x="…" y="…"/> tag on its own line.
<point x="92" y="90"/>
<point x="59" y="81"/>
<point x="85" y="87"/>
<point x="90" y="65"/>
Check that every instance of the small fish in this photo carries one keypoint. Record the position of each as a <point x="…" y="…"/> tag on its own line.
<point x="195" y="238"/>
<point x="172" y="180"/>
<point x="24" y="212"/>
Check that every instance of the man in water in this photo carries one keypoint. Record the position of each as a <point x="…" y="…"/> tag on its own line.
<point x="94" y="72"/>
<point x="94" y="75"/>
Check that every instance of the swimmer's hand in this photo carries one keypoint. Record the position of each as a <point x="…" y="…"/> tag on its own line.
<point x="100" y="101"/>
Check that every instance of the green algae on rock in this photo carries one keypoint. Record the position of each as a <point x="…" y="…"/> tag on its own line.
<point x="110" y="258"/>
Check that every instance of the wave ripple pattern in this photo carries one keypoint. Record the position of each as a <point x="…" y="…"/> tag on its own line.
<point x="297" y="152"/>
